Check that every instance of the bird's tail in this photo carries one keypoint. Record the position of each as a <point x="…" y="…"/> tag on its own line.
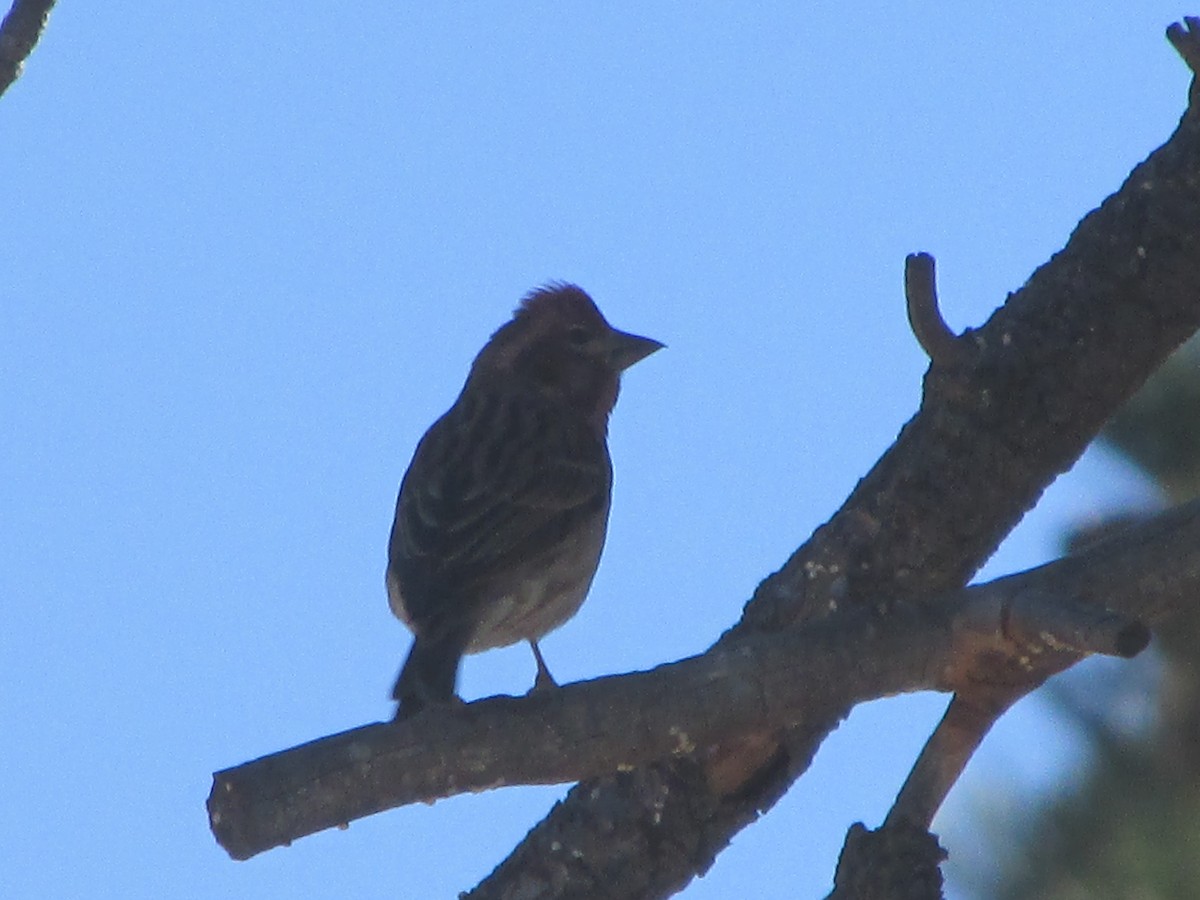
<point x="430" y="672"/>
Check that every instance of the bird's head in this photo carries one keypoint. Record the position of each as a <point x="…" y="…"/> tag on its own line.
<point x="559" y="344"/>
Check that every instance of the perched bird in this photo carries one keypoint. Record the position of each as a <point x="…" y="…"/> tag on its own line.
<point x="503" y="511"/>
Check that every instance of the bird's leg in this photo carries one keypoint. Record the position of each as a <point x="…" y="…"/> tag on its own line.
<point x="544" y="679"/>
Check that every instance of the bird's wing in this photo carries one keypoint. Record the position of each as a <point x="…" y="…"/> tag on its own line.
<point x="496" y="482"/>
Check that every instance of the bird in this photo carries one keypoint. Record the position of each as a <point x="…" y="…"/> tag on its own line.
<point x="502" y="514"/>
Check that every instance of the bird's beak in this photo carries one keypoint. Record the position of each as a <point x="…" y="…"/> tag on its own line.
<point x="625" y="349"/>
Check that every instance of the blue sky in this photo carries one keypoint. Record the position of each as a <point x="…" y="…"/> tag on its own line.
<point x="249" y="253"/>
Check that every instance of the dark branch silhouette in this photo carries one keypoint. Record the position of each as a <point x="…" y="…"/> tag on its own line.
<point x="1053" y="364"/>
<point x="19" y="34"/>
<point x="976" y="708"/>
<point x="1185" y="39"/>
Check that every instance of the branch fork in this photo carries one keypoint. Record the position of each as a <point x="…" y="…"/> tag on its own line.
<point x="1031" y="388"/>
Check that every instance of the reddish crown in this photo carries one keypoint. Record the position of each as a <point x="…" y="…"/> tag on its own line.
<point x="560" y="345"/>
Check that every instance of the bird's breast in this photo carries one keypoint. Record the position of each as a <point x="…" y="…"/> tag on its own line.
<point x="542" y="596"/>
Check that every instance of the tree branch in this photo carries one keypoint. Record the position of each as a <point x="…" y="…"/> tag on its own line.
<point x="1013" y="630"/>
<point x="940" y="344"/>
<point x="993" y="431"/>
<point x="1185" y="39"/>
<point x="19" y="34"/>
<point x="1054" y="362"/>
<point x="973" y="711"/>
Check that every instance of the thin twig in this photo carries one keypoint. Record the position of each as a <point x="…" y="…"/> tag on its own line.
<point x="19" y="33"/>
<point x="947" y="752"/>
<point x="1185" y="39"/>
<point x="941" y="345"/>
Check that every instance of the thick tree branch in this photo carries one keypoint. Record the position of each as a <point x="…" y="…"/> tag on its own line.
<point x="972" y="712"/>
<point x="19" y="33"/>
<point x="1052" y="364"/>
<point x="1014" y="630"/>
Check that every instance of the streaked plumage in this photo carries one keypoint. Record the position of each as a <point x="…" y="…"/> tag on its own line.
<point x="502" y="514"/>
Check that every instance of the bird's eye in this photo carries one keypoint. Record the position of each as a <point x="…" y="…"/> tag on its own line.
<point x="578" y="335"/>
